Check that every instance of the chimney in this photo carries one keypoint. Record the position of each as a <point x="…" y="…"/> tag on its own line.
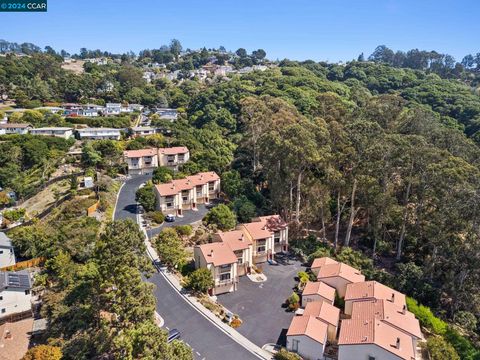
<point x="404" y="310"/>
<point x="397" y="344"/>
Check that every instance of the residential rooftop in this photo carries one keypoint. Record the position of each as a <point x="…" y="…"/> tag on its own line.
<point x="374" y="290"/>
<point x="375" y="331"/>
<point x="323" y="311"/>
<point x="340" y="270"/>
<point x="319" y="288"/>
<point x="308" y="326"/>
<point x="218" y="254"/>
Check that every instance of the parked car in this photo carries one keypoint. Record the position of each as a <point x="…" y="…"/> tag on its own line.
<point x="169" y="218"/>
<point x="173" y="335"/>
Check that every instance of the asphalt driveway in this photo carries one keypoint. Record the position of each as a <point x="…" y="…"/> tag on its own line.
<point x="259" y="305"/>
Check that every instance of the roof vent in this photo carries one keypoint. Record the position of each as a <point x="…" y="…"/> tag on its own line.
<point x="211" y="253"/>
<point x="364" y="339"/>
<point x="393" y="297"/>
<point x="397" y="344"/>
<point x="404" y="310"/>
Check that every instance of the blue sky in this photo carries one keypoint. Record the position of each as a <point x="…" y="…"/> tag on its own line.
<point x="297" y="29"/>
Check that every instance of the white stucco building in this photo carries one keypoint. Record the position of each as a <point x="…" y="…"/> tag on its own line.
<point x="15" y="293"/>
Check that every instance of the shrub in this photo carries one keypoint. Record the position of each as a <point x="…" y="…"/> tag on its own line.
<point x="156" y="216"/>
<point x="43" y="352"/>
<point x="236" y="322"/>
<point x="303" y="277"/>
<point x="426" y="317"/>
<point x="439" y="349"/>
<point x="200" y="280"/>
<point x="284" y="354"/>
<point x="463" y="347"/>
<point x="184" y="230"/>
<point x="14" y="214"/>
<point x="293" y="301"/>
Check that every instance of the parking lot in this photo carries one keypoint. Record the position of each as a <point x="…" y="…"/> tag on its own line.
<point x="259" y="305"/>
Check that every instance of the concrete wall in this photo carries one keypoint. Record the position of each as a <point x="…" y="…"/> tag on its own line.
<point x="7" y="257"/>
<point x="307" y="347"/>
<point x="338" y="283"/>
<point x="363" y="352"/>
<point x="14" y="301"/>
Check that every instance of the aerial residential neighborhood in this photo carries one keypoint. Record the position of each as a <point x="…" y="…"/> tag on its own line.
<point x="239" y="180"/>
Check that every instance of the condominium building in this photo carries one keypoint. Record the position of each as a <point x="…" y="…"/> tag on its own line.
<point x="185" y="194"/>
<point x="141" y="162"/>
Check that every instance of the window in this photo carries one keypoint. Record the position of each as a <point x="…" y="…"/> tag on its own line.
<point x="169" y="204"/>
<point x="1" y="251"/>
<point x="371" y="358"/>
<point x="4" y="311"/>
<point x="276" y="237"/>
<point x="295" y="345"/>
<point x="211" y="186"/>
<point x="224" y="277"/>
<point x="240" y="261"/>
<point x="261" y="246"/>
<point x="1" y="297"/>
<point x="27" y="292"/>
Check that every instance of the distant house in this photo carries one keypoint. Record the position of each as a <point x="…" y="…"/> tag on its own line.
<point x="113" y="109"/>
<point x="307" y="336"/>
<point x="99" y="134"/>
<point x="338" y="276"/>
<point x="11" y="128"/>
<point x="269" y="235"/>
<point x="15" y="293"/>
<point x="86" y="183"/>
<point x="141" y="162"/>
<point x="371" y="339"/>
<point x="222" y="262"/>
<point x="318" y="291"/>
<point x="2" y="131"/>
<point x="326" y="313"/>
<point x="370" y="290"/>
<point x="186" y="194"/>
<point x="143" y="131"/>
<point x="62" y="132"/>
<point x="173" y="157"/>
<point x="136" y="107"/>
<point x="7" y="253"/>
<point x="167" y="114"/>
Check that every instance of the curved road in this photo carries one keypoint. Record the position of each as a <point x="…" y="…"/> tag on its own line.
<point x="206" y="340"/>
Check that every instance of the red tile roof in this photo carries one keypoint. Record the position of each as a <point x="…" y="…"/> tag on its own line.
<point x="264" y="226"/>
<point x="139" y="153"/>
<point x="218" y="254"/>
<point x="173" y="150"/>
<point x="176" y="186"/>
<point x="340" y="270"/>
<point x="323" y="311"/>
<point x="389" y="313"/>
<point x="319" y="288"/>
<point x="319" y="262"/>
<point x="309" y="326"/>
<point x="235" y="239"/>
<point x="374" y="290"/>
<point x="376" y="332"/>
